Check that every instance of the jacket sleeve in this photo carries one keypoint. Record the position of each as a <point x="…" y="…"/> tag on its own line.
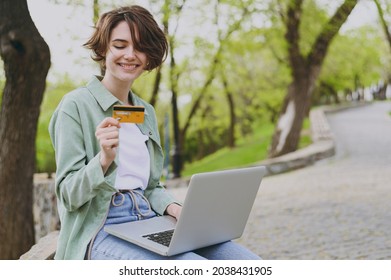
<point x="160" y="198"/>
<point x="78" y="179"/>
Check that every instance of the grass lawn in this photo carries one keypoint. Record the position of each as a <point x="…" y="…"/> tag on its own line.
<point x="248" y="151"/>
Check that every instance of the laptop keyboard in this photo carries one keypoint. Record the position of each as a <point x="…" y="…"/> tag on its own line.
<point x="163" y="237"/>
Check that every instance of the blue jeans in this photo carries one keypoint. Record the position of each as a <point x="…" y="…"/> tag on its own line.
<point x="132" y="206"/>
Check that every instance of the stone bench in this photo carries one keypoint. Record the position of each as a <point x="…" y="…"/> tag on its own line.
<point x="44" y="249"/>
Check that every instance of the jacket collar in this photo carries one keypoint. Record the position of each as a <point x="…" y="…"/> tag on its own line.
<point x="104" y="98"/>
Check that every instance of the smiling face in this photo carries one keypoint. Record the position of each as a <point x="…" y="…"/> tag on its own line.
<point x="149" y="38"/>
<point x="123" y="62"/>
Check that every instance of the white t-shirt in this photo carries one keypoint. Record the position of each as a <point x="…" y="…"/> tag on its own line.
<point x="133" y="160"/>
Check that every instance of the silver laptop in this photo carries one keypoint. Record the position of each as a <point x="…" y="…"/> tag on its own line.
<point x="215" y="210"/>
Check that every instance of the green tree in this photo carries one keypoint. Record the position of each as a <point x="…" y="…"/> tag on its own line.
<point x="354" y="58"/>
<point x="224" y="33"/>
<point x="305" y="64"/>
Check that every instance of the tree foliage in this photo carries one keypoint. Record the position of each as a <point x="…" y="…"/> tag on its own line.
<point x="253" y="64"/>
<point x="355" y="60"/>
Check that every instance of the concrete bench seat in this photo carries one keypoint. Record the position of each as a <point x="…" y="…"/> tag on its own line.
<point x="44" y="249"/>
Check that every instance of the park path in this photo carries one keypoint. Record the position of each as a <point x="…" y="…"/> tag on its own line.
<point x="339" y="208"/>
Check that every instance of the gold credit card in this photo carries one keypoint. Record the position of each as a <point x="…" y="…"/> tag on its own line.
<point x="128" y="114"/>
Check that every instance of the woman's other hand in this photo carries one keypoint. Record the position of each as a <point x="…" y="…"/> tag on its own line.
<point x="174" y="210"/>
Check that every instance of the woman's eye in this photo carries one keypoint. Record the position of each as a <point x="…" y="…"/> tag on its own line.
<point x="119" y="47"/>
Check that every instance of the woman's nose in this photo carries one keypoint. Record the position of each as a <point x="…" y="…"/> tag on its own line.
<point x="129" y="53"/>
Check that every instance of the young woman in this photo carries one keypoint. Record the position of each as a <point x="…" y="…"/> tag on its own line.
<point x="108" y="172"/>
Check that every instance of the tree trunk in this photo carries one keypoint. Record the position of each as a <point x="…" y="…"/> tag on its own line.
<point x="383" y="22"/>
<point x="177" y="150"/>
<point x="174" y="76"/>
<point x="156" y="84"/>
<point x="305" y="71"/>
<point x="26" y="59"/>
<point x="232" y="116"/>
<point x="295" y="109"/>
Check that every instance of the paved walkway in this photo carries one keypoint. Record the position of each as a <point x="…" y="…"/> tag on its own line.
<point x="339" y="208"/>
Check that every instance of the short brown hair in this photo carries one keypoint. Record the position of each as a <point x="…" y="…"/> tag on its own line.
<point x="147" y="36"/>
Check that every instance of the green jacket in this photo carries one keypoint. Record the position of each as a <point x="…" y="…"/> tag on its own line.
<point x="83" y="191"/>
